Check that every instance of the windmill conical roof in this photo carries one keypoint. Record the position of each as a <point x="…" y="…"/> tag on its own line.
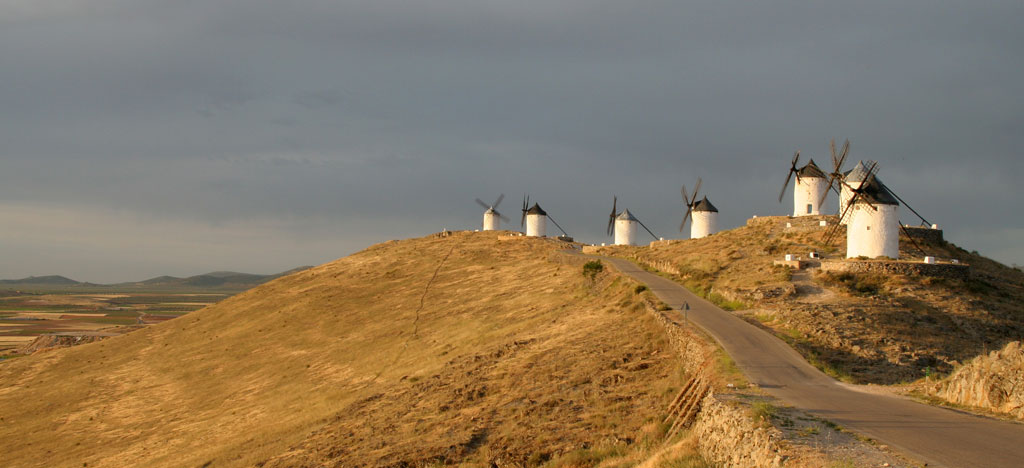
<point x="491" y="210"/>
<point x="536" y="210"/>
<point x="626" y="216"/>
<point x="856" y="174"/>
<point x="704" y="205"/>
<point x="876" y="192"/>
<point x="810" y="170"/>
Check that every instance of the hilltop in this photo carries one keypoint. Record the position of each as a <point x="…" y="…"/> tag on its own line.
<point x="859" y="327"/>
<point x="455" y="349"/>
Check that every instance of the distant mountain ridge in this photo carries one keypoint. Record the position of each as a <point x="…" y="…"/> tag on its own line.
<point x="206" y="280"/>
<point x="51" y="280"/>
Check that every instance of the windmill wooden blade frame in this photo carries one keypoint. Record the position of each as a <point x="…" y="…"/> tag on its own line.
<point x="648" y="230"/>
<point x="556" y="225"/>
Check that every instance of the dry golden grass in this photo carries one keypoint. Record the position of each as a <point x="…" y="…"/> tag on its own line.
<point x="341" y="364"/>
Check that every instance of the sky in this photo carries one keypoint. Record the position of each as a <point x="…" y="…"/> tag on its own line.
<point x="143" y="138"/>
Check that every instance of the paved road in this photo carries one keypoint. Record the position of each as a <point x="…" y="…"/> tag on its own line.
<point x="937" y="436"/>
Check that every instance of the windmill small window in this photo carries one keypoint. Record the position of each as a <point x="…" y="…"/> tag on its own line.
<point x="810" y="208"/>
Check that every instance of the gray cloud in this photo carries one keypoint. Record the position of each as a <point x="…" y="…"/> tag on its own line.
<point x="384" y="119"/>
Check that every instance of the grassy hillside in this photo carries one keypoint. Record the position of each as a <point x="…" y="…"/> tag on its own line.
<point x="460" y="349"/>
<point x="858" y="327"/>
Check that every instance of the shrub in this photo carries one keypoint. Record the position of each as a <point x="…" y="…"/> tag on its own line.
<point x="592" y="268"/>
<point x="764" y="411"/>
<point x="640" y="288"/>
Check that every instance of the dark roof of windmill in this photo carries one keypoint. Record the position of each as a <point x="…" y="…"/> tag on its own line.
<point x="491" y="210"/>
<point x="626" y="216"/>
<point x="857" y="173"/>
<point x="704" y="205"/>
<point x="810" y="170"/>
<point x="876" y="192"/>
<point x="536" y="210"/>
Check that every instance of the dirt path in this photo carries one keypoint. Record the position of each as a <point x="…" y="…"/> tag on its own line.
<point x="938" y="436"/>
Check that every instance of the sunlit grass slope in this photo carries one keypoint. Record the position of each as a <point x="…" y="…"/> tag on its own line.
<point x="510" y="352"/>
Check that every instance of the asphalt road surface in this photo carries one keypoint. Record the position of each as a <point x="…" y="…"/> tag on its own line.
<point x="936" y="436"/>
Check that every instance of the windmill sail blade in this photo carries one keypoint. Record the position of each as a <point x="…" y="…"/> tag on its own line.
<point x="556" y="225"/>
<point x="842" y="155"/>
<point x="611" y="217"/>
<point x="498" y="201"/>
<point x="686" y="196"/>
<point x="648" y="230"/>
<point x="685" y="217"/>
<point x="526" y="207"/>
<point x="503" y="218"/>
<point x="481" y="203"/>
<point x="835" y="155"/>
<point x="824" y="195"/>
<point x="696" y="190"/>
<point x="925" y="221"/>
<point x="786" y="184"/>
<point x="912" y="241"/>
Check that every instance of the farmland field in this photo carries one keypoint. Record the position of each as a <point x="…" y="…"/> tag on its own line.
<point x="25" y="315"/>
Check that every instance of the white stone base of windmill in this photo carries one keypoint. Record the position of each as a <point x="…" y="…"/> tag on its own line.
<point x="806" y="194"/>
<point x="704" y="223"/>
<point x="536" y="226"/>
<point x="873" y="232"/>
<point x="626" y="232"/>
<point x="491" y="222"/>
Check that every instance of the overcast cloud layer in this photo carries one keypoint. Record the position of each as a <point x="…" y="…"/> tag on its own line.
<point x="142" y="138"/>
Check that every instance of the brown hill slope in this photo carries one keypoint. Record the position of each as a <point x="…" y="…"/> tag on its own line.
<point x="861" y="327"/>
<point x="371" y="359"/>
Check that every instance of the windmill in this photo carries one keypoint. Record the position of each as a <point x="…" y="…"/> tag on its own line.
<point x="873" y="229"/>
<point x="492" y="218"/>
<point x="809" y="189"/>
<point x="624" y="226"/>
<point x="838" y="177"/>
<point x="535" y="219"/>
<point x="704" y="215"/>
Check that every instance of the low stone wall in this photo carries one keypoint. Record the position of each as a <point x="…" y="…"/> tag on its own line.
<point x="939" y="270"/>
<point x="730" y="439"/>
<point x="727" y="435"/>
<point x="924" y="234"/>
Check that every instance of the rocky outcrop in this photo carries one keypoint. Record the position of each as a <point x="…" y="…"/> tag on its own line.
<point x="48" y="342"/>
<point x="994" y="381"/>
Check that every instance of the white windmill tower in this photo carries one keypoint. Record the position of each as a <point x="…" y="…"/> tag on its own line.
<point x="873" y="227"/>
<point x="870" y="211"/>
<point x="535" y="219"/>
<point x="625" y="226"/>
<point x="704" y="214"/>
<point x="853" y="178"/>
<point x="492" y="218"/>
<point x="809" y="189"/>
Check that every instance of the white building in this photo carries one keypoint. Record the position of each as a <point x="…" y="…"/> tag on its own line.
<point x="626" y="229"/>
<point x="491" y="220"/>
<point x="705" y="219"/>
<point x="873" y="230"/>
<point x="536" y="221"/>
<point x="811" y="184"/>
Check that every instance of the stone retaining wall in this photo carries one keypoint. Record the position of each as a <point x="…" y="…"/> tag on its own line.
<point x="924" y="234"/>
<point x="726" y="434"/>
<point x="940" y="270"/>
